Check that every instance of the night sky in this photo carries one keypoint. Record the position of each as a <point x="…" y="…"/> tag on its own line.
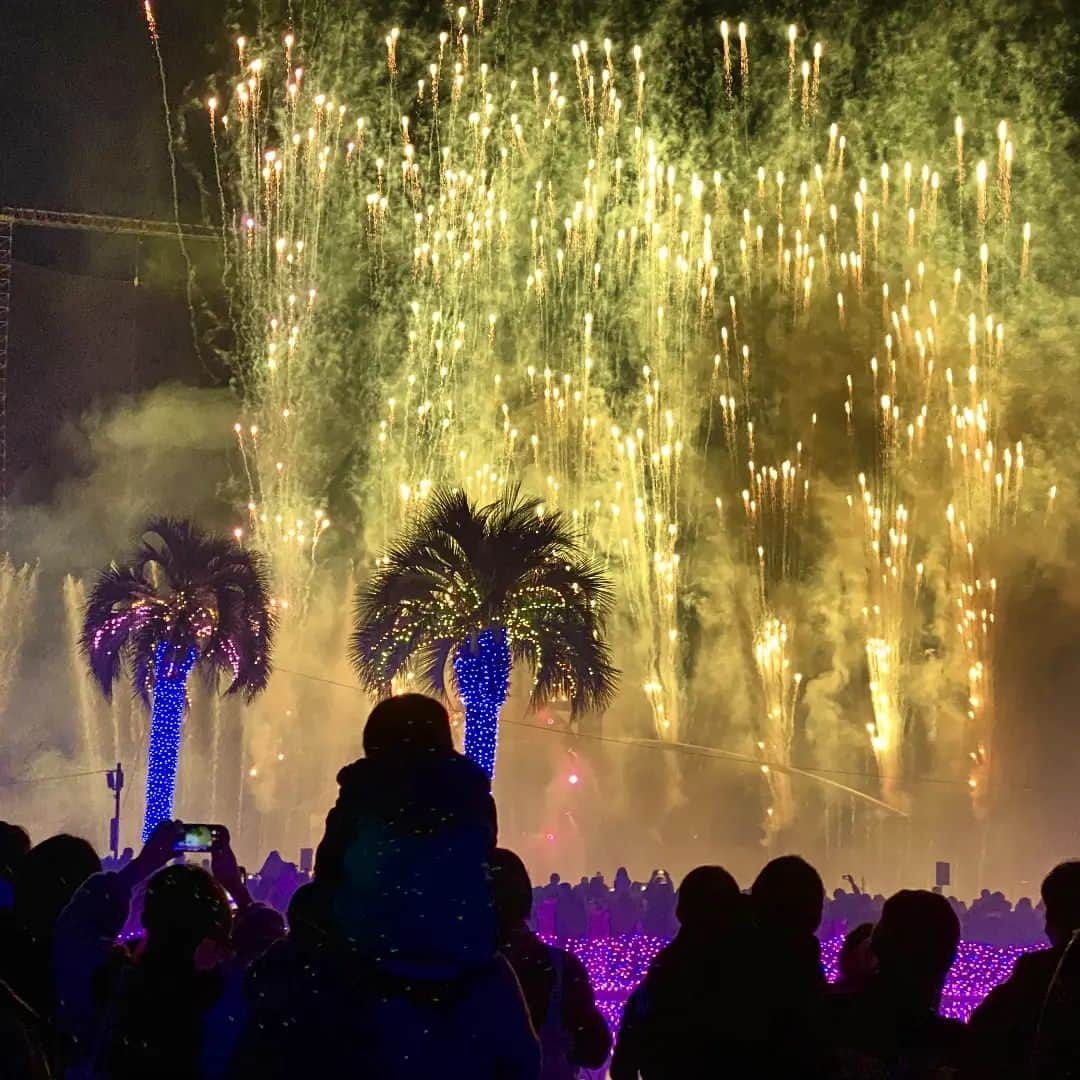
<point x="81" y="116"/>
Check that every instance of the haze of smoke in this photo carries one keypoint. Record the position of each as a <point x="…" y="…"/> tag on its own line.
<point x="161" y="453"/>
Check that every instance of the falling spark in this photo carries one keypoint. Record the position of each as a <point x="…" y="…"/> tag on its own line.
<point x="504" y="352"/>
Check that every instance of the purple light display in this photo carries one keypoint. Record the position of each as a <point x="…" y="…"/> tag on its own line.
<point x="617" y="964"/>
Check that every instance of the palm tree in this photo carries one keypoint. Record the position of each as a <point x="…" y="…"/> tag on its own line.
<point x="184" y="599"/>
<point x="476" y="589"/>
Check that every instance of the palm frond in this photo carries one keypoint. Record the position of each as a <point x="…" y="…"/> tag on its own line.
<point x="120" y="606"/>
<point x="459" y="569"/>
<point x="562" y="611"/>
<point x="184" y="589"/>
<point x="433" y="661"/>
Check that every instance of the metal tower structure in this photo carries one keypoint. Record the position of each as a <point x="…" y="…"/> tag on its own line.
<point x="23" y="217"/>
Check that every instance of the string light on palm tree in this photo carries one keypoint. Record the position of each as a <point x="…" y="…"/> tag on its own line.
<point x="184" y="598"/>
<point x="476" y="589"/>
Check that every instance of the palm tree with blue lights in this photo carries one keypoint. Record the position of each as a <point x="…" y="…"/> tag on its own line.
<point x="185" y="600"/>
<point x="471" y="590"/>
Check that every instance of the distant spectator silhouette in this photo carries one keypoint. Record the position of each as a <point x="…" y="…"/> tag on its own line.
<point x="571" y="918"/>
<point x="658" y="917"/>
<point x="404" y="856"/>
<point x="598" y="890"/>
<point x="892" y="1028"/>
<point x="1025" y="926"/>
<point x="623" y="904"/>
<point x="1023" y="1026"/>
<point x="697" y="1012"/>
<point x="555" y="983"/>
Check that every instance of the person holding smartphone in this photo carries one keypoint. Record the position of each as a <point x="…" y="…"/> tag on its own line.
<point x="95" y="976"/>
<point x="171" y="984"/>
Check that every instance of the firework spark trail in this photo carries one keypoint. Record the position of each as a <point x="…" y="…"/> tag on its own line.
<point x="780" y="688"/>
<point x="18" y="587"/>
<point x="280" y="204"/>
<point x="189" y="281"/>
<point x="96" y="741"/>
<point x="211" y="109"/>
<point x="565" y="309"/>
<point x="989" y="490"/>
<point x="774" y="506"/>
<point x="894" y="580"/>
<point x="891" y="617"/>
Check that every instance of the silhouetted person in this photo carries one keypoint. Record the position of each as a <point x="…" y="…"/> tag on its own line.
<point x="291" y="990"/>
<point x="157" y="1005"/>
<point x="255" y="929"/>
<point x="658" y="918"/>
<point x="697" y="1012"/>
<point x="598" y="890"/>
<point x="572" y="1031"/>
<point x="856" y="961"/>
<point x="400" y="979"/>
<point x="787" y="900"/>
<point x="1035" y="1000"/>
<point x="892" y="1028"/>
<point x="26" y="1039"/>
<point x="14" y="845"/>
<point x="85" y="954"/>
<point x="24" y="1035"/>
<point x="404" y="856"/>
<point x="315" y="1000"/>
<point x="571" y="918"/>
<point x="46" y="879"/>
<point x="625" y="912"/>
<point x="1025" y="928"/>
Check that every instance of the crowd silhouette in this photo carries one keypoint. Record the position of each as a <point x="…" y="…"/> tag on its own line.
<point x="418" y="948"/>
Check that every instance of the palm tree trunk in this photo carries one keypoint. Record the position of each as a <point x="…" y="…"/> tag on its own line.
<point x="166" y="728"/>
<point x="482" y="671"/>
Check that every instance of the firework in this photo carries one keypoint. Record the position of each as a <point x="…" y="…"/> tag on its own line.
<point x="18" y="589"/>
<point x="780" y="689"/>
<point x="547" y="300"/>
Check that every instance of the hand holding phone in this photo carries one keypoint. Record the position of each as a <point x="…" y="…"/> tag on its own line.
<point x="225" y="868"/>
<point x="159" y="850"/>
<point x="198" y="838"/>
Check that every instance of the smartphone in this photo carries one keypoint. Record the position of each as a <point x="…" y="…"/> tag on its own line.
<point x="198" y="838"/>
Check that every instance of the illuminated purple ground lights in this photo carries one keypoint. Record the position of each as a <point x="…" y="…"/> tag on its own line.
<point x="617" y="964"/>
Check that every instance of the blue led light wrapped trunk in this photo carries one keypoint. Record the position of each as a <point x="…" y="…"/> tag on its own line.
<point x="482" y="672"/>
<point x="166" y="729"/>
